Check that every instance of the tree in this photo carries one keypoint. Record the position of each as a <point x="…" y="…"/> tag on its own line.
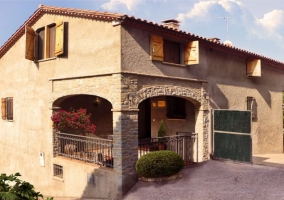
<point x="12" y="188"/>
<point x="162" y="132"/>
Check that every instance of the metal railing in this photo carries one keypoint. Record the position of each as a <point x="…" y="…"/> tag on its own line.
<point x="87" y="149"/>
<point x="182" y="143"/>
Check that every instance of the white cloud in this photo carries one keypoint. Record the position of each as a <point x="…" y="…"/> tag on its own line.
<point x="273" y="20"/>
<point x="206" y="10"/>
<point x="199" y="10"/>
<point x="269" y="28"/>
<point x="113" y="4"/>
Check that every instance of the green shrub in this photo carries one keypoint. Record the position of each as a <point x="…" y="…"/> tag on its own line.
<point x="159" y="164"/>
<point x="12" y="188"/>
<point x="162" y="132"/>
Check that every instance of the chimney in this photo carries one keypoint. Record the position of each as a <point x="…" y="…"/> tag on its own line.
<point x="171" y="23"/>
<point x="217" y="40"/>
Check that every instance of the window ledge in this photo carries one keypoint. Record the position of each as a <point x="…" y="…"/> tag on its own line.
<point x="174" y="64"/>
<point x="173" y="119"/>
<point x="47" y="59"/>
<point x="58" y="178"/>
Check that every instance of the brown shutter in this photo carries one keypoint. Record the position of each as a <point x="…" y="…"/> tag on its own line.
<point x="191" y="53"/>
<point x="51" y="41"/>
<point x="59" y="38"/>
<point x="254" y="67"/>
<point x="3" y="108"/>
<point x="156" y="48"/>
<point x="9" y="103"/>
<point x="30" y="44"/>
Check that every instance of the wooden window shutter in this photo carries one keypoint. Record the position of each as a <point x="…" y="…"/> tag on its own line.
<point x="254" y="67"/>
<point x="9" y="104"/>
<point x="3" y="108"/>
<point x="30" y="43"/>
<point x="156" y="48"/>
<point x="191" y="53"/>
<point x="51" y="41"/>
<point x="59" y="38"/>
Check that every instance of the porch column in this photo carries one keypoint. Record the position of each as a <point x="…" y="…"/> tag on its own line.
<point x="125" y="149"/>
<point x="202" y="123"/>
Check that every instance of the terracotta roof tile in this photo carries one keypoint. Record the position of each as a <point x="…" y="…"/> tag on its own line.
<point x="90" y="14"/>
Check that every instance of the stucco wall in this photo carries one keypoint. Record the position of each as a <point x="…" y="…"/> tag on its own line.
<point x="100" y="52"/>
<point x="228" y="85"/>
<point x="89" y="44"/>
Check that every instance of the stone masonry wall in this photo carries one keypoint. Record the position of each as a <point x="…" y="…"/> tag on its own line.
<point x="125" y="92"/>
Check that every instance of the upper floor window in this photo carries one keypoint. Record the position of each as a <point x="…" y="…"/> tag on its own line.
<point x="7" y="108"/>
<point x="171" y="52"/>
<point x="46" y="42"/>
<point x="174" y="52"/>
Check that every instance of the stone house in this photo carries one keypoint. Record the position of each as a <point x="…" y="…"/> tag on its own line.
<point x="129" y="74"/>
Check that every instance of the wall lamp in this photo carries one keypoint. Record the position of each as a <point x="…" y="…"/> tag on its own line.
<point x="96" y="102"/>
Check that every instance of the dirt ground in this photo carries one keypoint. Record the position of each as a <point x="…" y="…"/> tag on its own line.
<point x="216" y="180"/>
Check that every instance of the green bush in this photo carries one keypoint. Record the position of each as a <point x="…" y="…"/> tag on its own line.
<point x="162" y="132"/>
<point x="159" y="164"/>
<point x="12" y="188"/>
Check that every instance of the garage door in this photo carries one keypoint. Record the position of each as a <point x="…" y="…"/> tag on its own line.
<point x="232" y="135"/>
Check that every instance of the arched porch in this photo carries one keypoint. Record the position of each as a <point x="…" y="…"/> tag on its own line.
<point x="179" y="115"/>
<point x="77" y="144"/>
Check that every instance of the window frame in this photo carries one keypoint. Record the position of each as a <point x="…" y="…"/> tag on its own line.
<point x="188" y="51"/>
<point x="44" y="48"/>
<point x="7" y="108"/>
<point x="52" y="45"/>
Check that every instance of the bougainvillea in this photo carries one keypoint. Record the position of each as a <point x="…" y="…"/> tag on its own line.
<point x="73" y="120"/>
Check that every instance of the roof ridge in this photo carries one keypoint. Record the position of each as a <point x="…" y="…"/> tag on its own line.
<point x="42" y="9"/>
<point x="109" y="16"/>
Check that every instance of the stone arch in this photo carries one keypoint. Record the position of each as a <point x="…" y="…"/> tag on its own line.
<point x="99" y="108"/>
<point x="191" y="94"/>
<point x="57" y="101"/>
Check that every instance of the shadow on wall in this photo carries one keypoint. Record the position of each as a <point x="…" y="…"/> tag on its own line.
<point x="106" y="183"/>
<point x="218" y="103"/>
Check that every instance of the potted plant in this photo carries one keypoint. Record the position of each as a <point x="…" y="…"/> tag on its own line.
<point x="162" y="132"/>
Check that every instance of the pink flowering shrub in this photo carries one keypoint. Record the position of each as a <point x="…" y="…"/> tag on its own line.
<point x="73" y="120"/>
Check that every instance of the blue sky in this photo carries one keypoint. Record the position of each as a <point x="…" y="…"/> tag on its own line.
<point x="253" y="25"/>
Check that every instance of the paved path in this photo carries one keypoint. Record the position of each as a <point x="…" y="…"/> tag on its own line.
<point x="216" y="180"/>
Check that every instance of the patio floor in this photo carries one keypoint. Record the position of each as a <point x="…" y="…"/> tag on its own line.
<point x="273" y="160"/>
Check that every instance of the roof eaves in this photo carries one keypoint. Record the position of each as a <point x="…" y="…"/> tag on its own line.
<point x="105" y="16"/>
<point x="151" y="26"/>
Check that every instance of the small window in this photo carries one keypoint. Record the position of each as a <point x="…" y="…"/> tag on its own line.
<point x="58" y="171"/>
<point x="174" y="52"/>
<point x="176" y="108"/>
<point x="7" y="108"/>
<point x="48" y="42"/>
<point x="252" y="106"/>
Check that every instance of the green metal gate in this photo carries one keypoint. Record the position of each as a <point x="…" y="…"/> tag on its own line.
<point x="232" y="135"/>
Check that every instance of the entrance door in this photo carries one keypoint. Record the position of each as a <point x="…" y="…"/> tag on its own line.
<point x="148" y="118"/>
<point x="144" y="119"/>
<point x="232" y="135"/>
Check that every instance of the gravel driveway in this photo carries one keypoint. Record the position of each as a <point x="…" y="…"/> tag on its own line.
<point x="216" y="180"/>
